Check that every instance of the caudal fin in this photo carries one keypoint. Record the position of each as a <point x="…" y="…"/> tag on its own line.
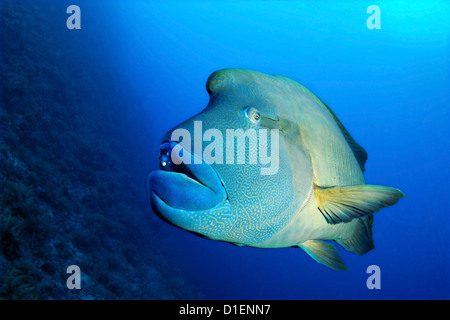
<point x="361" y="240"/>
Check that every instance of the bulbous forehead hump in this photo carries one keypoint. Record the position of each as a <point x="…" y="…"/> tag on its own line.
<point x="246" y="87"/>
<point x="222" y="81"/>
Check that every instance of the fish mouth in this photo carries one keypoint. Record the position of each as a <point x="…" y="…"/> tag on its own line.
<point x="183" y="187"/>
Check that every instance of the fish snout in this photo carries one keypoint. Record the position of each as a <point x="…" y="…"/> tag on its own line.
<point x="165" y="161"/>
<point x="183" y="182"/>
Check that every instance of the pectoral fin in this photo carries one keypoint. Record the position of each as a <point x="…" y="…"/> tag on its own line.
<point x="325" y="253"/>
<point x="343" y="204"/>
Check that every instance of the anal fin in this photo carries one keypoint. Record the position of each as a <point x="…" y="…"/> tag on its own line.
<point x="325" y="253"/>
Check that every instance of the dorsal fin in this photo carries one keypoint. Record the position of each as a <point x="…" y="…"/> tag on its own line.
<point x="358" y="151"/>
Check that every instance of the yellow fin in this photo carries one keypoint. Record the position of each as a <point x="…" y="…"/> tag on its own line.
<point x="325" y="253"/>
<point x="343" y="204"/>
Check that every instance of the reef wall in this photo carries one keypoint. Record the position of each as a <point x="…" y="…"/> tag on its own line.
<point x="69" y="194"/>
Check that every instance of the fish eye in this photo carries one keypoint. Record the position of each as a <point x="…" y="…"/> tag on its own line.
<point x="252" y="114"/>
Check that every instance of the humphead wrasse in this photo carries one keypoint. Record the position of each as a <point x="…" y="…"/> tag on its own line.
<point x="308" y="193"/>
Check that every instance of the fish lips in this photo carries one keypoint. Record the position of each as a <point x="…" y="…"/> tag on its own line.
<point x="178" y="193"/>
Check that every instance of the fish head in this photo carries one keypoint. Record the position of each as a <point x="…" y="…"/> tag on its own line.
<point x="229" y="173"/>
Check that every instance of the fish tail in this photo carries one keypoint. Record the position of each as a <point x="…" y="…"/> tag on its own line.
<point x="361" y="240"/>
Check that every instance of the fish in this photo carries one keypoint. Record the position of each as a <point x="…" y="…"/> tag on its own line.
<point x="306" y="188"/>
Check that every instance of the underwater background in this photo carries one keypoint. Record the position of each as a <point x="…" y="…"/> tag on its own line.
<point x="83" y="112"/>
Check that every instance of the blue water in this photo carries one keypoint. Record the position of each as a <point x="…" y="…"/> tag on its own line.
<point x="390" y="87"/>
